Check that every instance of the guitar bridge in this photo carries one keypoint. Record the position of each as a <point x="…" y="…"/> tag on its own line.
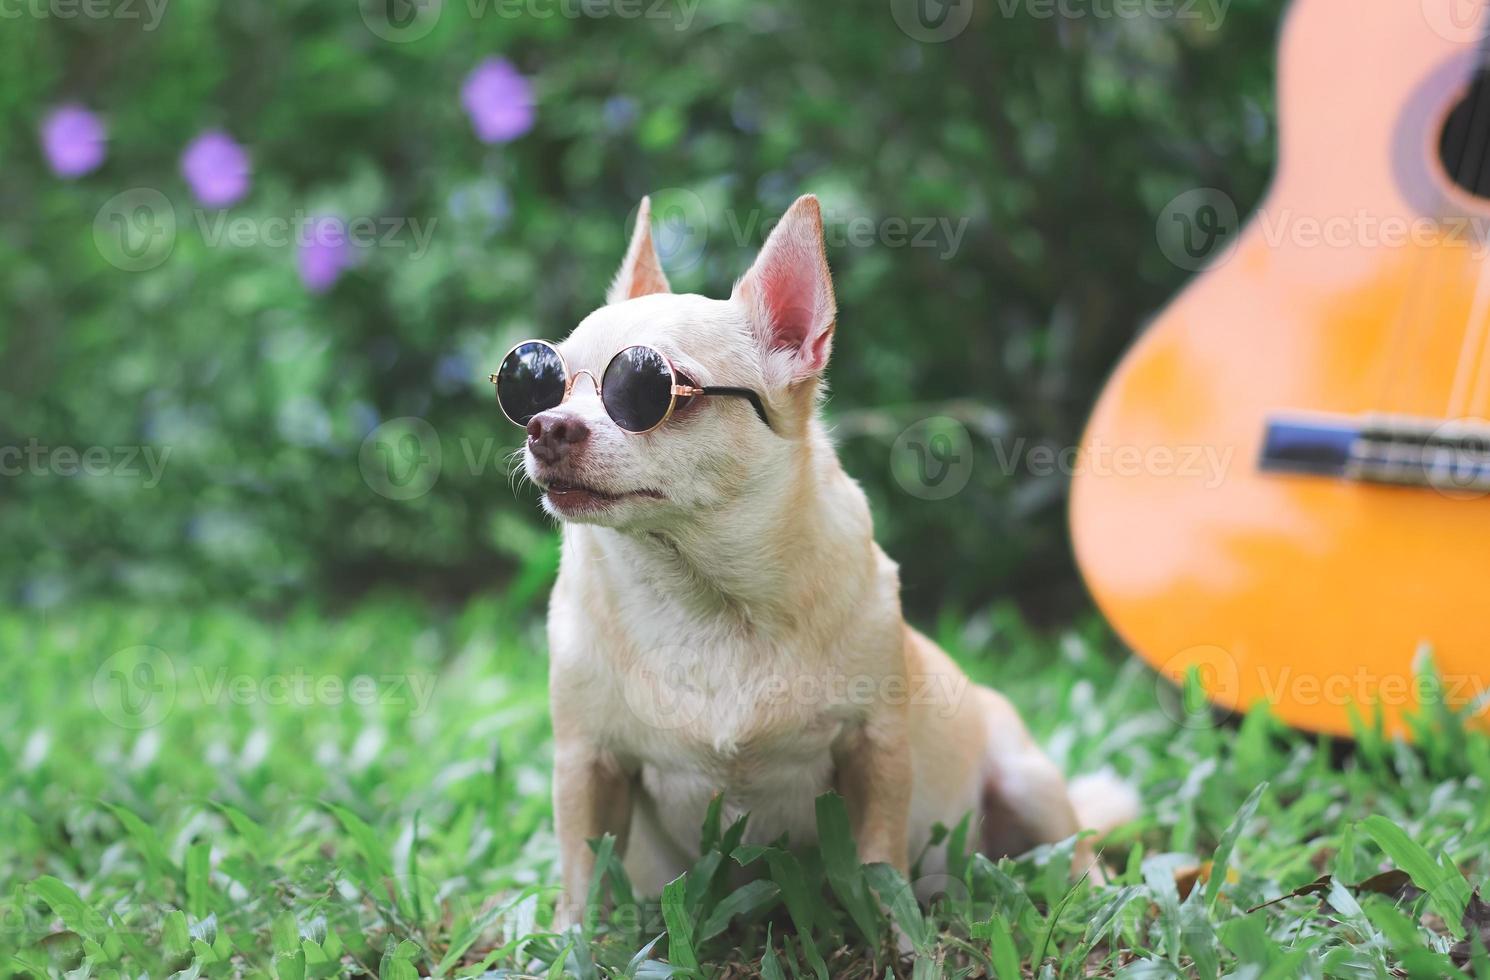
<point x="1383" y="449"/>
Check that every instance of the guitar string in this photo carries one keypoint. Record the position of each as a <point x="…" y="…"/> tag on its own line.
<point x="1478" y="397"/>
<point x="1474" y="338"/>
<point x="1475" y="329"/>
<point x="1475" y="347"/>
<point x="1398" y="343"/>
<point x="1479" y="352"/>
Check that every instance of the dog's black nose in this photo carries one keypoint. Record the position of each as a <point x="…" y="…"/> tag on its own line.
<point x="554" y="437"/>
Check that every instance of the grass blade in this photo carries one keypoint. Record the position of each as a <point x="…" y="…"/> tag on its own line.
<point x="680" y="946"/>
<point x="1447" y="890"/>
<point x="841" y="861"/>
<point x="753" y="897"/>
<point x="1221" y="860"/>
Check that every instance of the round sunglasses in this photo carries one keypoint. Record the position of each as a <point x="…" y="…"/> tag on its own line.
<point x="640" y="388"/>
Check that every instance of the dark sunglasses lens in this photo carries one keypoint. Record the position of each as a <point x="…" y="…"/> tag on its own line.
<point x="531" y="380"/>
<point x="637" y="389"/>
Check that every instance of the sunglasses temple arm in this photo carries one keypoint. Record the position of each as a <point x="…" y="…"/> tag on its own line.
<point x="747" y="394"/>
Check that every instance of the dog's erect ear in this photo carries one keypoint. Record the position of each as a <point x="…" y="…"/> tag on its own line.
<point x="641" y="271"/>
<point x="788" y="294"/>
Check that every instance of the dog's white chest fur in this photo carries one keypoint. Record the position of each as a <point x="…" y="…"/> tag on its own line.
<point x="695" y="710"/>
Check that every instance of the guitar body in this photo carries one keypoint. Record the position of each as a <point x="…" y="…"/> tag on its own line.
<point x="1317" y="594"/>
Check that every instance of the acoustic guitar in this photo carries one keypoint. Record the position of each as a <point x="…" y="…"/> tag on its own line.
<point x="1285" y="487"/>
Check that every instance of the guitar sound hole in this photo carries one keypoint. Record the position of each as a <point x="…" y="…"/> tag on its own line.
<point x="1464" y="146"/>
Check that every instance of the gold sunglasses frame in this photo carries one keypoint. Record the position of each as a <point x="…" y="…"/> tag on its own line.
<point x="675" y="389"/>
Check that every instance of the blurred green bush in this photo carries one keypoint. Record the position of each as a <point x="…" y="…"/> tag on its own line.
<point x="1058" y="138"/>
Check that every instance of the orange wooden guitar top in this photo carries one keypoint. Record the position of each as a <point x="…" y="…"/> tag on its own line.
<point x="1345" y="294"/>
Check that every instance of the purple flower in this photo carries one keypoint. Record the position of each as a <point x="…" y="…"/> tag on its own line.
<point x="324" y="253"/>
<point x="74" y="140"/>
<point x="217" y="169"/>
<point x="498" y="100"/>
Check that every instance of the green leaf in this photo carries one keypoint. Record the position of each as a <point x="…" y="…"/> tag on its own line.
<point x="253" y="835"/>
<point x="1158" y="875"/>
<point x="700" y="879"/>
<point x="1345" y="863"/>
<point x="621" y="892"/>
<point x="75" y="913"/>
<point x="285" y="934"/>
<point x="198" y="879"/>
<point x="290" y="966"/>
<point x="1001" y="949"/>
<point x="641" y="955"/>
<point x="957" y="848"/>
<point x="1221" y="860"/>
<point x="1248" y="938"/>
<point x="595" y="899"/>
<point x="1448" y="892"/>
<point x="1007" y="894"/>
<point x="175" y="938"/>
<point x="398" y="961"/>
<point x="709" y="833"/>
<point x="557" y="969"/>
<point x="150" y="846"/>
<point x="813" y="957"/>
<point x="734" y="835"/>
<point x="841" y="862"/>
<point x="472" y="931"/>
<point x="747" y="900"/>
<point x="680" y="949"/>
<point x="801" y="904"/>
<point x="770" y="963"/>
<point x="900" y="899"/>
<point x="367" y="843"/>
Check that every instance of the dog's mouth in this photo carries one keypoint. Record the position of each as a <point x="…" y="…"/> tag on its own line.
<point x="570" y="499"/>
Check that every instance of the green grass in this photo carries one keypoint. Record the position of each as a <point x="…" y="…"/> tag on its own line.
<point x="262" y="813"/>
